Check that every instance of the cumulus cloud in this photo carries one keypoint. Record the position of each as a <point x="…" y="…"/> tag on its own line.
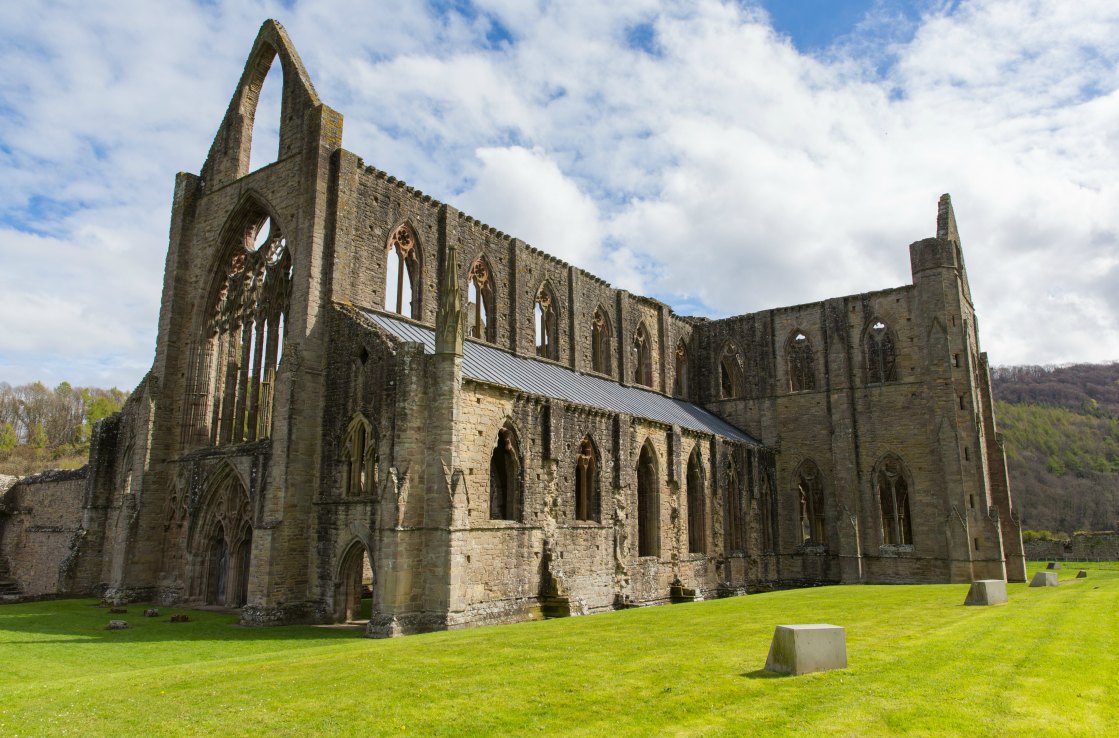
<point x="680" y="149"/>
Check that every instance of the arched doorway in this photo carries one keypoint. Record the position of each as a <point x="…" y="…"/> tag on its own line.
<point x="353" y="588"/>
<point x="220" y="543"/>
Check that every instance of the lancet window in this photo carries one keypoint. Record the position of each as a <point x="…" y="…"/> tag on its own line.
<point x="893" y="500"/>
<point x="402" y="275"/>
<point x="480" y="323"/>
<point x="802" y="367"/>
<point x="600" y="342"/>
<point x="547" y="324"/>
<point x="505" y="477"/>
<point x="586" y="481"/>
<point x="736" y="506"/>
<point x="810" y="491"/>
<point x="246" y="335"/>
<point x="680" y="383"/>
<point x="697" y="508"/>
<point x="642" y="357"/>
<point x="648" y="503"/>
<point x="881" y="354"/>
<point x="730" y="373"/>
<point x="359" y="468"/>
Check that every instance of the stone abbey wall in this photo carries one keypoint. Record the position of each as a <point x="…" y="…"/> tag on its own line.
<point x="289" y="444"/>
<point x="40" y="530"/>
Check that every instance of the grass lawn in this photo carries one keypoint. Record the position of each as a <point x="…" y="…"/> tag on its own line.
<point x="920" y="663"/>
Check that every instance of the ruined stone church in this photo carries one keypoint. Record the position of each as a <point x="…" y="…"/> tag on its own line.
<point x="357" y="387"/>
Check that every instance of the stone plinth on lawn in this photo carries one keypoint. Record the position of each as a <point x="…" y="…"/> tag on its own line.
<point x="803" y="649"/>
<point x="1054" y="565"/>
<point x="987" y="592"/>
<point x="1044" y="579"/>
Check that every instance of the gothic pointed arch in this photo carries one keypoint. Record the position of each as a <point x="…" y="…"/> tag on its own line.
<point x="648" y="501"/>
<point x="546" y="322"/>
<point x="353" y="578"/>
<point x="881" y="353"/>
<point x="893" y="483"/>
<point x="230" y="155"/>
<point x="404" y="260"/>
<point x="601" y="347"/>
<point x="642" y="356"/>
<point x="810" y="497"/>
<point x="359" y="461"/>
<point x="736" y="503"/>
<point x="481" y="298"/>
<point x="241" y="329"/>
<point x="506" y="475"/>
<point x="681" y="366"/>
<point x="219" y="542"/>
<point x="697" y="503"/>
<point x="587" y="481"/>
<point x="800" y="362"/>
<point x="730" y="371"/>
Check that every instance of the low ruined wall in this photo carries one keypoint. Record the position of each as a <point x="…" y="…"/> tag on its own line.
<point x="1082" y="547"/>
<point x="40" y="517"/>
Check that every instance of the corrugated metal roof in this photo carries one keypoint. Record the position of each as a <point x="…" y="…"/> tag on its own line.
<point x="492" y="365"/>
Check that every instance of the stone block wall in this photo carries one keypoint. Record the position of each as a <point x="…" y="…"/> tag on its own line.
<point x="40" y="530"/>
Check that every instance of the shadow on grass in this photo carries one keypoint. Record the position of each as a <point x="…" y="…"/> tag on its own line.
<point x="764" y="674"/>
<point x="85" y="622"/>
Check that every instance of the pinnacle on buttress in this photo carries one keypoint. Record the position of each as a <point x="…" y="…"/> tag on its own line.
<point x="448" y="318"/>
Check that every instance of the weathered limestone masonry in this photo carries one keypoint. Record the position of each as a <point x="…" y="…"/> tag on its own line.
<point x="358" y="387"/>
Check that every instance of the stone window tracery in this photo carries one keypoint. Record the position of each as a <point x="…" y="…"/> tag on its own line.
<point x="813" y="530"/>
<point x="221" y="542"/>
<point x="680" y="383"/>
<point x="648" y="503"/>
<point x="480" y="323"/>
<point x="600" y="342"/>
<point x="586" y="481"/>
<point x="697" y="508"/>
<point x="546" y="324"/>
<point x="246" y="334"/>
<point x="505" y="477"/>
<point x="730" y="373"/>
<point x="881" y="354"/>
<point x="802" y="367"/>
<point x="359" y="466"/>
<point x="402" y="274"/>
<point x="893" y="500"/>
<point x="642" y="358"/>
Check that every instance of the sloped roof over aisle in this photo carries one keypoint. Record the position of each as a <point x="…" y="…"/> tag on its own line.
<point x="488" y="364"/>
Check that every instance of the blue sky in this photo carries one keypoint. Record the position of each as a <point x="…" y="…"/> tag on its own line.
<point x="725" y="156"/>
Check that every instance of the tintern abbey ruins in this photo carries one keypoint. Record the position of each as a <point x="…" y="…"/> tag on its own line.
<point x="357" y="387"/>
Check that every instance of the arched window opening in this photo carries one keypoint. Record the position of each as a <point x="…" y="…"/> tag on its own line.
<point x="730" y="373"/>
<point x="736" y="506"/>
<point x="264" y="144"/>
<point x="600" y="342"/>
<point x="402" y="273"/>
<point x="505" y="477"/>
<point x="881" y="354"/>
<point x="359" y="464"/>
<point x="813" y="530"/>
<point x="220" y="545"/>
<point x="697" y="509"/>
<point x="802" y="369"/>
<point x="547" y="324"/>
<point x="480" y="323"/>
<point x="893" y="498"/>
<point x="246" y="334"/>
<point x="586" y="481"/>
<point x="680" y="383"/>
<point x="642" y="357"/>
<point x="353" y="588"/>
<point x="648" y="503"/>
<point x="767" y="502"/>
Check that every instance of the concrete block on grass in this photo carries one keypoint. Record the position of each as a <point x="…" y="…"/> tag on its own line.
<point x="1054" y="565"/>
<point x="803" y="649"/>
<point x="1044" y="579"/>
<point x="1081" y="574"/>
<point x="987" y="592"/>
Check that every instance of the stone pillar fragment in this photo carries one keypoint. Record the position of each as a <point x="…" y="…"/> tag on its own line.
<point x="987" y="592"/>
<point x="803" y="649"/>
<point x="1044" y="579"/>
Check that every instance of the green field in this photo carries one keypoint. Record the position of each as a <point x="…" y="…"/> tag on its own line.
<point x="920" y="663"/>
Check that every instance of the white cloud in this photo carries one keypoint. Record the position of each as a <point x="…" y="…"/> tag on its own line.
<point x="724" y="172"/>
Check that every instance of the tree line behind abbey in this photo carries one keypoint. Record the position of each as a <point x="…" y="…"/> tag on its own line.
<point x="1061" y="426"/>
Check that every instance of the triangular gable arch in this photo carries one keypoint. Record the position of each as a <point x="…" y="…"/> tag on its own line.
<point x="230" y="153"/>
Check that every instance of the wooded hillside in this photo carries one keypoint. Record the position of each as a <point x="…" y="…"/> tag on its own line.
<point x="1061" y="427"/>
